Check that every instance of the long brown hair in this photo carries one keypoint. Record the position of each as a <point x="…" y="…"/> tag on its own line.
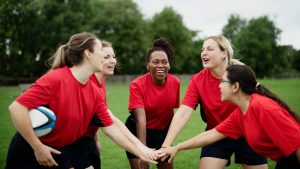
<point x="71" y="53"/>
<point x="246" y="78"/>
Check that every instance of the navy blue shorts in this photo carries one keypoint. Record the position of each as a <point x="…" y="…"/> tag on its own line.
<point x="224" y="149"/>
<point x="290" y="162"/>
<point x="84" y="153"/>
<point x="154" y="139"/>
<point x="21" y="155"/>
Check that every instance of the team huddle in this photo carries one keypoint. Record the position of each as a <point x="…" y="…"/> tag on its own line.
<point x="243" y="117"/>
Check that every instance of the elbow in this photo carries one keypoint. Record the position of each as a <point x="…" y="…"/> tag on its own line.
<point x="12" y="107"/>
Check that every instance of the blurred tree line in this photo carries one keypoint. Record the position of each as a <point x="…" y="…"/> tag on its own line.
<point x="31" y="30"/>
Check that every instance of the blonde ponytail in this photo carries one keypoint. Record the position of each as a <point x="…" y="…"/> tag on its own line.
<point x="59" y="60"/>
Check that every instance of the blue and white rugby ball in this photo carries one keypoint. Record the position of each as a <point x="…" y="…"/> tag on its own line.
<point x="42" y="120"/>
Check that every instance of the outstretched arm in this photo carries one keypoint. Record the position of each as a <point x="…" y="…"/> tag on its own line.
<point x="118" y="137"/>
<point x="179" y="120"/>
<point x="21" y="120"/>
<point x="200" y="140"/>
<point x="147" y="151"/>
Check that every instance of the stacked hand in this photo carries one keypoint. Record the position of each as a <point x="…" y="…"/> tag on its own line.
<point x="166" y="152"/>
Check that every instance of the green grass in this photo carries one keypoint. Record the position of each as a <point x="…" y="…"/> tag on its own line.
<point x="117" y="94"/>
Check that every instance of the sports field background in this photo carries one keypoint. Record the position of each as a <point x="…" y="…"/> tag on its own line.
<point x="114" y="157"/>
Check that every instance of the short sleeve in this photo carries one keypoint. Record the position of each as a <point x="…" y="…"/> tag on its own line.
<point x="230" y="126"/>
<point x="39" y="93"/>
<point x="136" y="99"/>
<point x="177" y="103"/>
<point x="191" y="97"/>
<point x="103" y="117"/>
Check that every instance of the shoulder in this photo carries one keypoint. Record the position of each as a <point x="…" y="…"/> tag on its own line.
<point x="202" y="74"/>
<point x="140" y="80"/>
<point x="54" y="76"/>
<point x="264" y="105"/>
<point x="173" y="78"/>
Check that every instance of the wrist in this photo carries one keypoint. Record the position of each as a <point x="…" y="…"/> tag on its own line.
<point x="165" y="145"/>
<point x="178" y="147"/>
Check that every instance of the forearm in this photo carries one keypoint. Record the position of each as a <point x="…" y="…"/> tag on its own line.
<point x="119" y="138"/>
<point x="141" y="131"/>
<point x="298" y="154"/>
<point x="125" y="131"/>
<point x="179" y="120"/>
<point x="21" y="120"/>
<point x="203" y="139"/>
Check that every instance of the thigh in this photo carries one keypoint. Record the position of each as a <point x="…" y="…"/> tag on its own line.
<point x="212" y="163"/>
<point x="245" y="155"/>
<point x="164" y="165"/>
<point x="218" y="153"/>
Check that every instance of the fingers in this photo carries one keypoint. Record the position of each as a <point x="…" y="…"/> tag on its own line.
<point x="52" y="150"/>
<point x="44" y="157"/>
<point x="148" y="160"/>
<point x="171" y="159"/>
<point x="164" y="157"/>
<point x="48" y="162"/>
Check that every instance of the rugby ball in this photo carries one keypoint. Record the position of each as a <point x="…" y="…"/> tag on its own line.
<point x="42" y="120"/>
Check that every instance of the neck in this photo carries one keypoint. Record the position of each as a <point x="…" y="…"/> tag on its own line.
<point x="81" y="73"/>
<point x="100" y="77"/>
<point x="159" y="82"/>
<point x="218" y="72"/>
<point x="243" y="101"/>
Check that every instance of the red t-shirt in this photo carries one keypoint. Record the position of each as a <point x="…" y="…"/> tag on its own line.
<point x="92" y="129"/>
<point x="158" y="101"/>
<point x="73" y="103"/>
<point x="268" y="128"/>
<point x="204" y="89"/>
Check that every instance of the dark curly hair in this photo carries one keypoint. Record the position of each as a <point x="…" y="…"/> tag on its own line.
<point x="161" y="44"/>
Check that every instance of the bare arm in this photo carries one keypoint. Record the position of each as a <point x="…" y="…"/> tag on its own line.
<point x="298" y="154"/>
<point x="97" y="141"/>
<point x="147" y="151"/>
<point x="179" y="120"/>
<point x="140" y="118"/>
<point x="21" y="120"/>
<point x="118" y="137"/>
<point x="200" y="140"/>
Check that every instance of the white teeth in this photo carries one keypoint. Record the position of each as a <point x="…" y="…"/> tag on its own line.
<point x="160" y="71"/>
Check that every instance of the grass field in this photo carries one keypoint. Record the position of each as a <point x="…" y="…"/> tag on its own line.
<point x="114" y="157"/>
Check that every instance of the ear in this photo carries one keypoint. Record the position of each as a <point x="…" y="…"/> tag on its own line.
<point x="235" y="87"/>
<point x="87" y="53"/>
<point x="147" y="66"/>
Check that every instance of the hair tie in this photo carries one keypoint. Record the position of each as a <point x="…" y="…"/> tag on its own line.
<point x="257" y="84"/>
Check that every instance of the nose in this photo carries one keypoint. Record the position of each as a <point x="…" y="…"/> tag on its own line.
<point x="113" y="60"/>
<point x="160" y="64"/>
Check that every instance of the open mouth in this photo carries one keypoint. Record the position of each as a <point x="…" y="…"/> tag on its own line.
<point x="205" y="60"/>
<point x="160" y="72"/>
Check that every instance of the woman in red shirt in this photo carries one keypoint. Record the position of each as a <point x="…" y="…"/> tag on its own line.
<point x="88" y="147"/>
<point x="152" y="100"/>
<point x="69" y="93"/>
<point x="203" y="89"/>
<point x="269" y="125"/>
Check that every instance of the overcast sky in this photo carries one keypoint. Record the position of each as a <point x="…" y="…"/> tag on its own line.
<point x="210" y="16"/>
